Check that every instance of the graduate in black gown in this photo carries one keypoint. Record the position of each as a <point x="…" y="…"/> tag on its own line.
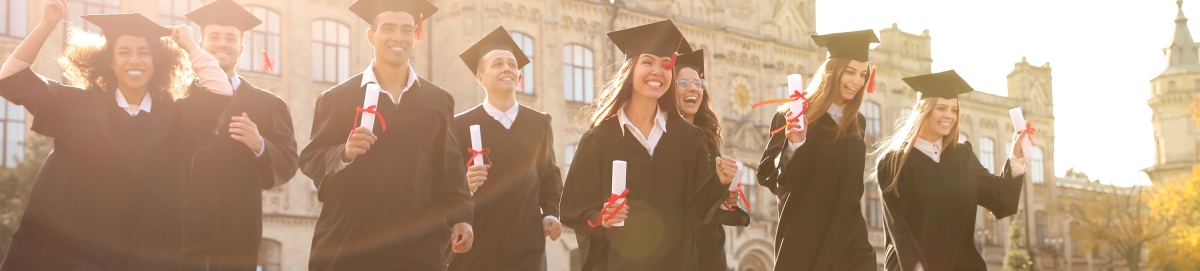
<point x="668" y="167"/>
<point x="518" y="187"/>
<point x="109" y="196"/>
<point x="817" y="172"/>
<point x="931" y="185"/>
<point x="393" y="194"/>
<point x="256" y="150"/>
<point x="695" y="106"/>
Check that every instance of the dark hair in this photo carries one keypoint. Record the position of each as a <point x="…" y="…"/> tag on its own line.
<point x="87" y="64"/>
<point x="619" y="90"/>
<point x="705" y="118"/>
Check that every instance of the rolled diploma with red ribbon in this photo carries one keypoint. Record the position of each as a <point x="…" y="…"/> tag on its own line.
<point x="796" y="83"/>
<point x="618" y="184"/>
<point x="733" y="185"/>
<point x="1018" y="120"/>
<point x="476" y="143"/>
<point x="371" y="99"/>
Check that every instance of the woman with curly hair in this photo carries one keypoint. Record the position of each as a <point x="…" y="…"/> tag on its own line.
<point x="109" y="196"/>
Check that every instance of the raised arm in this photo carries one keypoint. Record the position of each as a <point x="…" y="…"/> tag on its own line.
<point x="27" y="51"/>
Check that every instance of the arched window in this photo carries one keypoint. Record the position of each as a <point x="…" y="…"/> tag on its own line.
<point x="525" y="43"/>
<point x="15" y="14"/>
<point x="270" y="253"/>
<point x="264" y="37"/>
<point x="579" y="84"/>
<point x="78" y="8"/>
<point x="987" y="153"/>
<point x="330" y="51"/>
<point x="174" y="12"/>
<point x="871" y="111"/>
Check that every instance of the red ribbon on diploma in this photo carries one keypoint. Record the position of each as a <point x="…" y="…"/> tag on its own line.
<point x="475" y="153"/>
<point x="611" y="200"/>
<point x="368" y="110"/>
<point x="741" y="194"/>
<point x="797" y="96"/>
<point x="1030" y="130"/>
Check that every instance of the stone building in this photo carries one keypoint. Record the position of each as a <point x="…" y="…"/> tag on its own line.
<point x="1176" y="138"/>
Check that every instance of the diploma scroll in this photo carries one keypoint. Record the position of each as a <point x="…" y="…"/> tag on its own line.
<point x="476" y="144"/>
<point x="796" y="84"/>
<point x="618" y="184"/>
<point x="1019" y="125"/>
<point x="370" y="100"/>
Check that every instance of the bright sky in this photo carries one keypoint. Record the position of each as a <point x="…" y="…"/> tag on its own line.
<point x="1103" y="55"/>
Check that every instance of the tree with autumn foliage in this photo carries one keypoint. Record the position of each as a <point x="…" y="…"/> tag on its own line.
<point x="1177" y="203"/>
<point x="1117" y="220"/>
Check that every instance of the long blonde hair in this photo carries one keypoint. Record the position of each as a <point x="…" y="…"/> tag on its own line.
<point x="900" y="144"/>
<point x="823" y="88"/>
<point x="619" y="90"/>
<point x="87" y="64"/>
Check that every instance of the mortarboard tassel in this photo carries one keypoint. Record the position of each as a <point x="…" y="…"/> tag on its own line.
<point x="268" y="63"/>
<point x="871" y="82"/>
<point x="675" y="55"/>
<point x="421" y="28"/>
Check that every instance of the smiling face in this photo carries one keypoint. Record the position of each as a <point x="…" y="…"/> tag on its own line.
<point x="853" y="77"/>
<point x="224" y="43"/>
<point x="132" y="62"/>
<point x="394" y="37"/>
<point x="688" y="97"/>
<point x="498" y="71"/>
<point x="651" y="79"/>
<point x="941" y="120"/>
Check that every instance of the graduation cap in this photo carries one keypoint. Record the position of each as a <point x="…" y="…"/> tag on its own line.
<point x="499" y="39"/>
<point x="224" y="12"/>
<point x="133" y="24"/>
<point x="661" y="38"/>
<point x="947" y="85"/>
<point x="855" y="45"/>
<point x="419" y="9"/>
<point x="695" y="59"/>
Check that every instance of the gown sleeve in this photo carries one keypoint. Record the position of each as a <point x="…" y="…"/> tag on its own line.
<point x="580" y="200"/>
<point x="321" y="158"/>
<point x="450" y="189"/>
<point x="999" y="194"/>
<point x="551" y="188"/>
<point x="768" y="172"/>
<point x="279" y="159"/>
<point x="44" y="99"/>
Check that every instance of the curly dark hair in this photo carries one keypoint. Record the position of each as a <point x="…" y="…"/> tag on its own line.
<point x="87" y="64"/>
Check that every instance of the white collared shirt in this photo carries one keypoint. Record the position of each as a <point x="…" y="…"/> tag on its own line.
<point x="144" y="107"/>
<point x="235" y="81"/>
<point x="369" y="77"/>
<point x="656" y="132"/>
<point x="505" y="118"/>
<point x="931" y="149"/>
<point x="836" y="112"/>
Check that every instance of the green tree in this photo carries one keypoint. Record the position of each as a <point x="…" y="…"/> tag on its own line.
<point x="1017" y="258"/>
<point x="15" y="184"/>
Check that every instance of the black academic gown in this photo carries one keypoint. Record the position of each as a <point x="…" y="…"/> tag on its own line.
<point x="710" y="236"/>
<point x="223" y="218"/>
<point x="821" y="225"/>
<point x="932" y="220"/>
<point x="668" y="194"/>
<point x="523" y="186"/>
<point x="109" y="196"/>
<point x="392" y="207"/>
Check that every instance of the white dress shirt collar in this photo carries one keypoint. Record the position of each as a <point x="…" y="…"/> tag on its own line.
<point x="144" y="107"/>
<point x="656" y="132"/>
<point x="931" y="149"/>
<point x="506" y="117"/>
<point x="368" y="76"/>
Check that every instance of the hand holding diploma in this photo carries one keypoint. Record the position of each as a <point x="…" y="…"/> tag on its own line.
<point x="476" y="175"/>
<point x="360" y="142"/>
<point x="552" y="227"/>
<point x="461" y="237"/>
<point x="727" y="168"/>
<point x="795" y="131"/>
<point x="618" y="217"/>
<point x="615" y="211"/>
<point x="731" y="200"/>
<point x="1024" y="129"/>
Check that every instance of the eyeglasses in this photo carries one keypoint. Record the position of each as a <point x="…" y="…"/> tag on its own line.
<point x="683" y="82"/>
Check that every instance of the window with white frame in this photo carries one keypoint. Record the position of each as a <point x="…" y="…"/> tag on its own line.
<point x="15" y="17"/>
<point x="13" y="118"/>
<point x="270" y="254"/>
<point x="525" y="43"/>
<point x="987" y="153"/>
<point x="330" y="51"/>
<point x="1037" y="166"/>
<point x="78" y="8"/>
<point x="174" y="12"/>
<point x="870" y="110"/>
<point x="578" y="74"/>
<point x="264" y="38"/>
